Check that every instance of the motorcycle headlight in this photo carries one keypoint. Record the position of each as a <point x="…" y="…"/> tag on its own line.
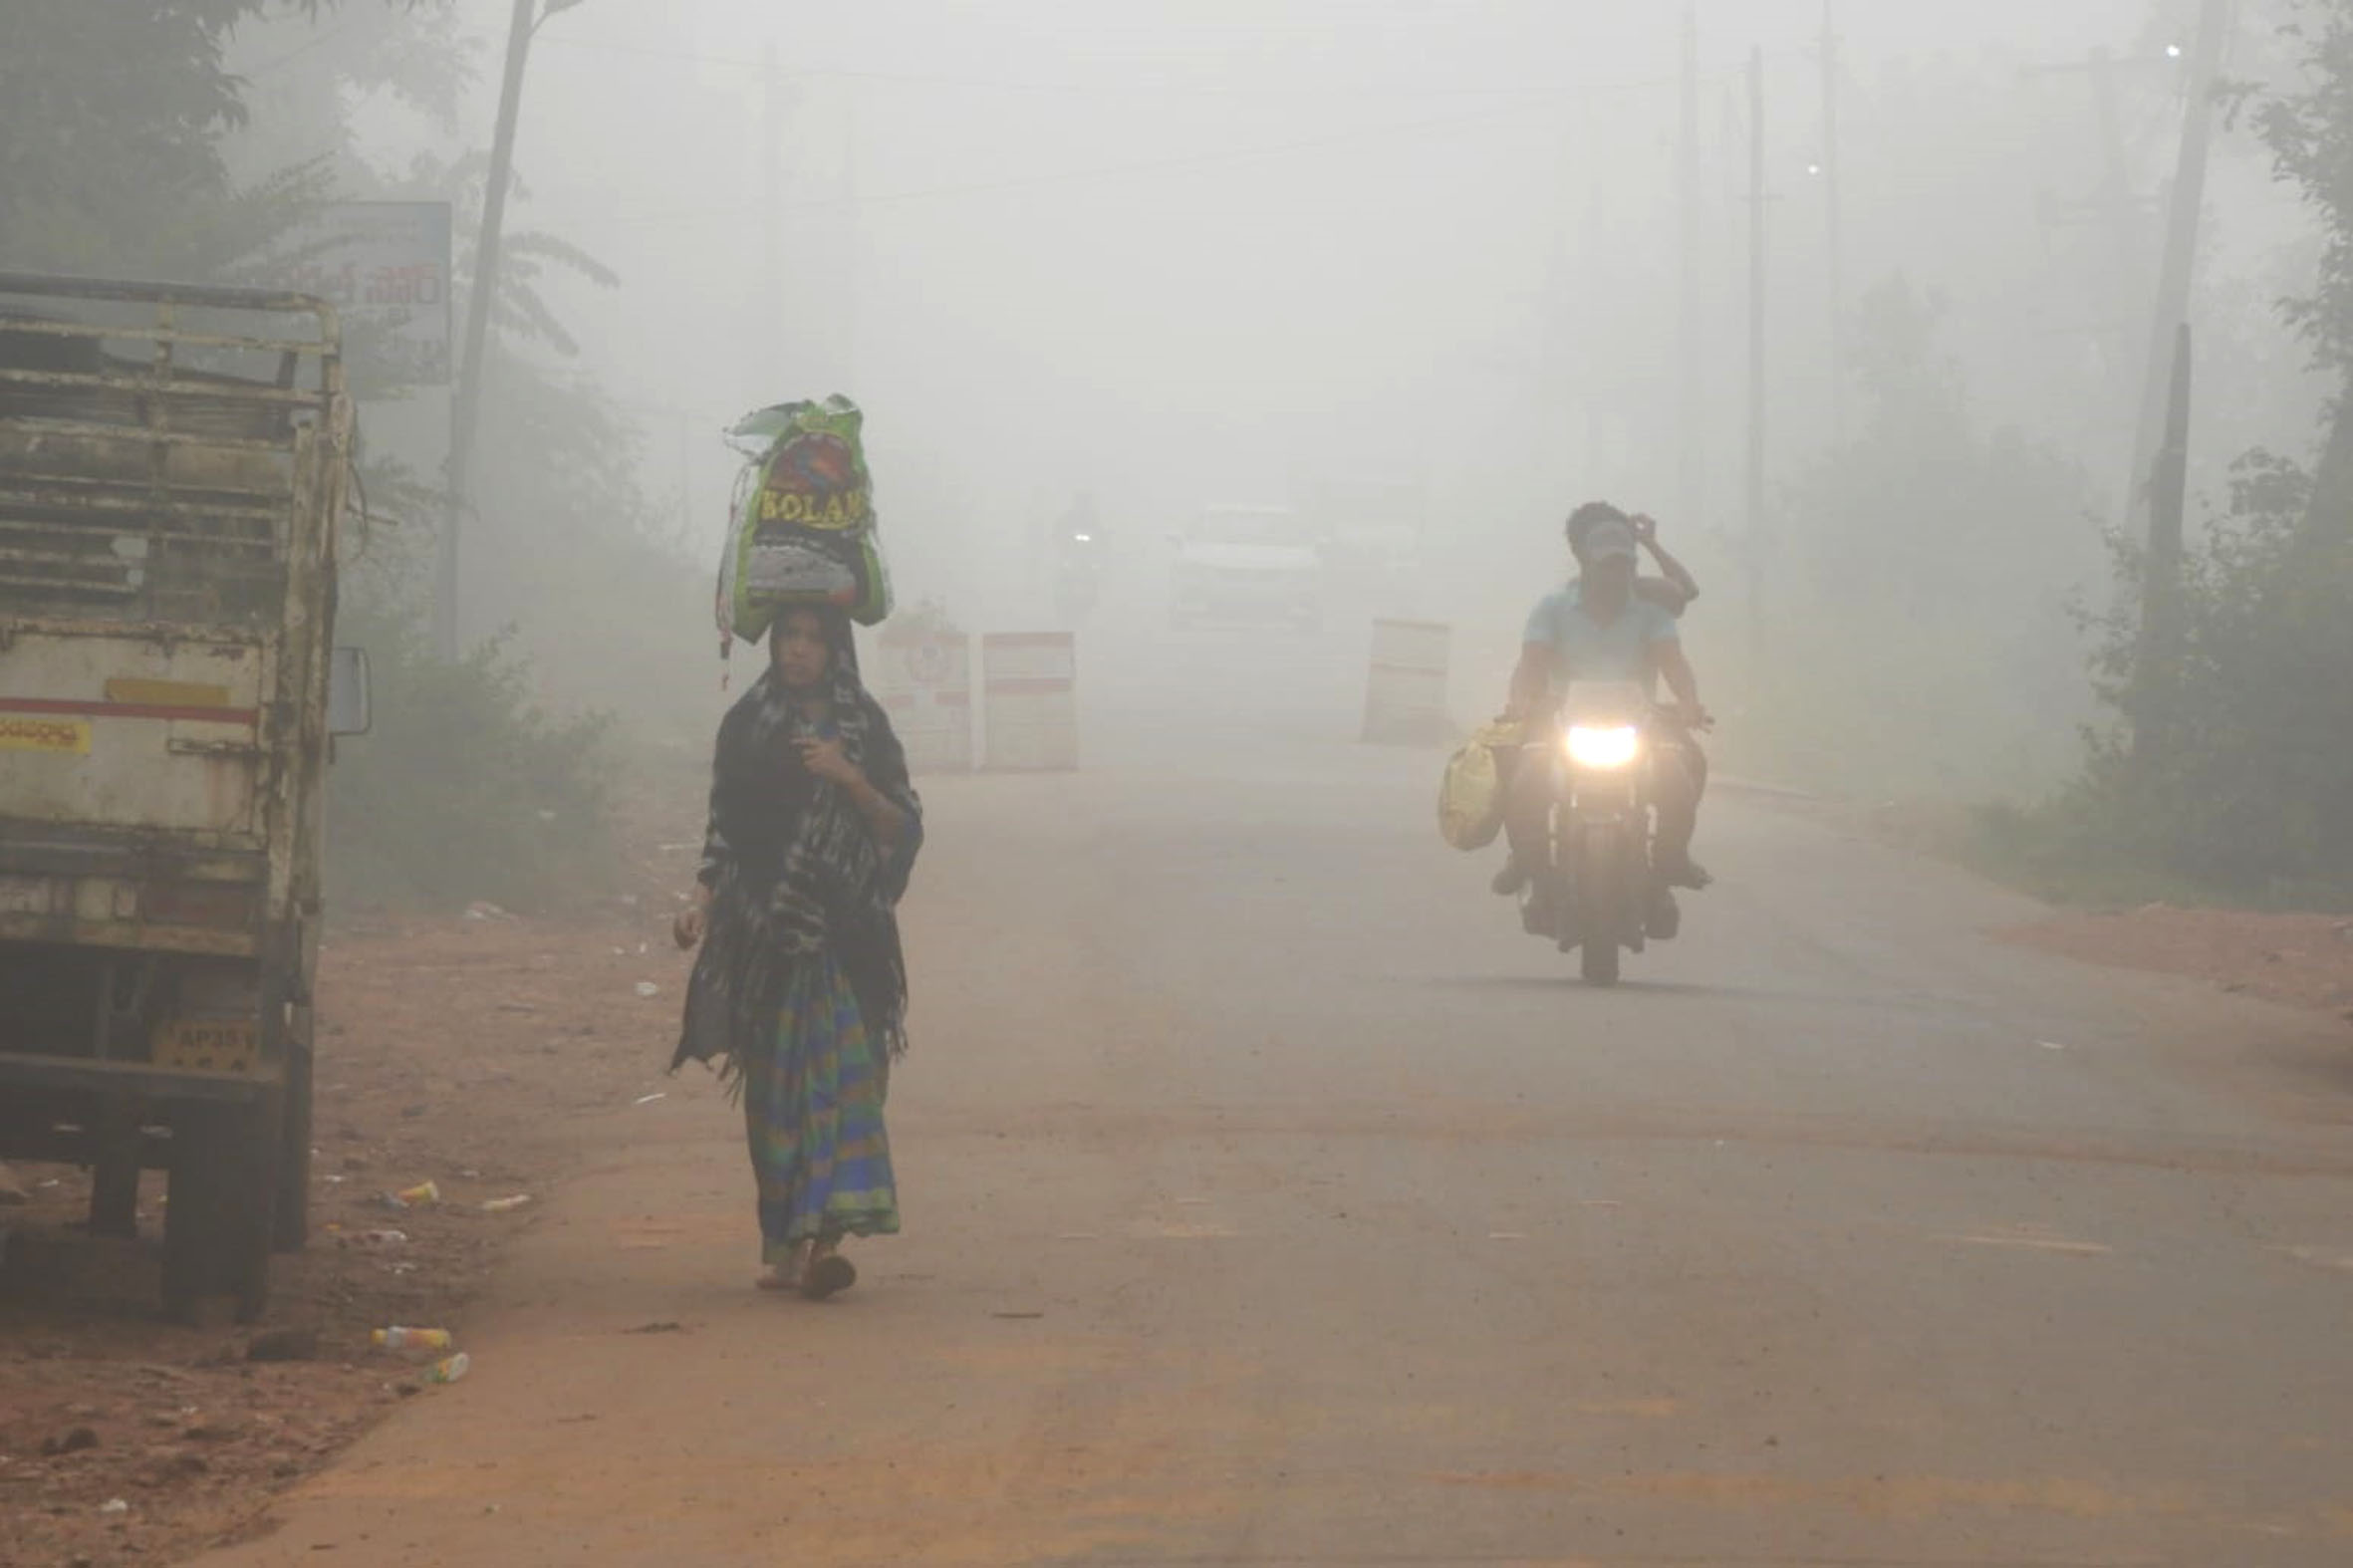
<point x="1603" y="749"/>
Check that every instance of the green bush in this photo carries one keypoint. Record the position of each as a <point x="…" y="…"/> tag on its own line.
<point x="464" y="789"/>
<point x="2251" y="792"/>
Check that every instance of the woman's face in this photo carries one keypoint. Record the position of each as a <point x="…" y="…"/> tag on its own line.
<point x="798" y="651"/>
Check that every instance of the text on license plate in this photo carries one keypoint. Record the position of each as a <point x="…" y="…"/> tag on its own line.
<point x="213" y="1045"/>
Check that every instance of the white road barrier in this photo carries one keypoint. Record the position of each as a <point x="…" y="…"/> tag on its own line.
<point x="1405" y="688"/>
<point x="924" y="682"/>
<point x="1029" y="701"/>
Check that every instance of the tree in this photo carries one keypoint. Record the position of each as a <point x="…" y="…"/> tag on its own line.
<point x="2254" y="791"/>
<point x="113" y="119"/>
<point x="1926" y="644"/>
<point x="2310" y="133"/>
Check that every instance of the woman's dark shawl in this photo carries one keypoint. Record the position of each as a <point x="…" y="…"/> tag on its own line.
<point x="795" y="870"/>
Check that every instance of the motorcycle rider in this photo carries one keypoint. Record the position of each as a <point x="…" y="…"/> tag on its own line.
<point x="1611" y="625"/>
<point x="1078" y="552"/>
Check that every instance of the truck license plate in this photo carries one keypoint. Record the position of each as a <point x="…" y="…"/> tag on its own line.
<point x="209" y="1045"/>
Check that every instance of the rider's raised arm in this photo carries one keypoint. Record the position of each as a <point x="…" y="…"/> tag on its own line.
<point x="1676" y="572"/>
<point x="1645" y="529"/>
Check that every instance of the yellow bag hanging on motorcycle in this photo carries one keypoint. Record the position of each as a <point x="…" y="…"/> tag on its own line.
<point x="1470" y="796"/>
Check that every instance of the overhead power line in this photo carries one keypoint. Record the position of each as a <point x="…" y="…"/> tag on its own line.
<point x="1117" y="85"/>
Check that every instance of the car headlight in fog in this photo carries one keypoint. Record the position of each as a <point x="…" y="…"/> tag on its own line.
<point x="1603" y="748"/>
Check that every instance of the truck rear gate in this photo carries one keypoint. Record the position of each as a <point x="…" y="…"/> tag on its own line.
<point x="173" y="461"/>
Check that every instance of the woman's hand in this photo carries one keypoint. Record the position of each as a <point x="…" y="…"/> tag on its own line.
<point x="827" y="761"/>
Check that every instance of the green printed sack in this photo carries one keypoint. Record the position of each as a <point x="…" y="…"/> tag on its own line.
<point x="803" y="525"/>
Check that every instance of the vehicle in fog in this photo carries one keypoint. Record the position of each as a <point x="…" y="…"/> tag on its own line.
<point x="1247" y="566"/>
<point x="1078" y="564"/>
<point x="1597" y="892"/>
<point x="173" y="465"/>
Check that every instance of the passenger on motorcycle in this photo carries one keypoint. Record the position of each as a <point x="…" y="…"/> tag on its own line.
<point x="1673" y="590"/>
<point x="1610" y="625"/>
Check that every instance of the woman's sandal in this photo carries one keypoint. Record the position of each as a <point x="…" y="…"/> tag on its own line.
<point x="828" y="1274"/>
<point x="788" y="1276"/>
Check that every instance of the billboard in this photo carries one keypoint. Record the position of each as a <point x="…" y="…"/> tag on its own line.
<point x="384" y="266"/>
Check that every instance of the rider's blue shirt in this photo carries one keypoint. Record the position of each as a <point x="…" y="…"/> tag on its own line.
<point x="1624" y="649"/>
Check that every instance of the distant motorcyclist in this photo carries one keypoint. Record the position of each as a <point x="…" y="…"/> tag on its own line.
<point x="1611" y="625"/>
<point x="1078" y="555"/>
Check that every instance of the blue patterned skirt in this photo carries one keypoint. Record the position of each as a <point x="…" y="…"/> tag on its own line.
<point x="813" y="1114"/>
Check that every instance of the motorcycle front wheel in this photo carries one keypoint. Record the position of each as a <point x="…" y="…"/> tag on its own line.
<point x="1601" y="887"/>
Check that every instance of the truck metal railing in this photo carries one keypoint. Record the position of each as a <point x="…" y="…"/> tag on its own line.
<point x="152" y="457"/>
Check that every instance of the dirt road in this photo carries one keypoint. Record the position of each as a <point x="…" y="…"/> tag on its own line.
<point x="1270" y="1202"/>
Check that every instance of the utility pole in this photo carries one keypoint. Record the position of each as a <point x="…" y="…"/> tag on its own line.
<point x="1691" y="416"/>
<point x="1757" y="541"/>
<point x="2157" y="658"/>
<point x="467" y="407"/>
<point x="2185" y="207"/>
<point x="853" y="248"/>
<point x="1830" y="187"/>
<point x="765" y="293"/>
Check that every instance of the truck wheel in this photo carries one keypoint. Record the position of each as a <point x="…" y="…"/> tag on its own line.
<point x="114" y="1187"/>
<point x="220" y="1221"/>
<point x="294" y="1157"/>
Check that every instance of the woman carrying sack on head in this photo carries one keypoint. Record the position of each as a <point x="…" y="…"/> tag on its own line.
<point x="800" y="989"/>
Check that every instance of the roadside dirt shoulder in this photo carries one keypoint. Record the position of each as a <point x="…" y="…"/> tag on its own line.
<point x="2303" y="960"/>
<point x="464" y="1052"/>
<point x="2299" y="960"/>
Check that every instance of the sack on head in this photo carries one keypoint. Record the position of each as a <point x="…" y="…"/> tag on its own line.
<point x="803" y="529"/>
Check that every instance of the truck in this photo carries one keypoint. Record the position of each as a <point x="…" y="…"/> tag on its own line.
<point x="174" y="468"/>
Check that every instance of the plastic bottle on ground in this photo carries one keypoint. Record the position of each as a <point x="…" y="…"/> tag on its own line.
<point x="398" y="1338"/>
<point x="448" y="1371"/>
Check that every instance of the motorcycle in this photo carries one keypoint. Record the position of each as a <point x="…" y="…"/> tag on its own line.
<point x="1598" y="893"/>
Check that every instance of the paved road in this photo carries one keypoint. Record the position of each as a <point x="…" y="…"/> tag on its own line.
<point x="1270" y="1202"/>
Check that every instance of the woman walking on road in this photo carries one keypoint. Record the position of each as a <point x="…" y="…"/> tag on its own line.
<point x="800" y="988"/>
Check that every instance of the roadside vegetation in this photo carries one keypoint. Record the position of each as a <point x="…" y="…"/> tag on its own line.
<point x="1953" y="629"/>
<point x="185" y="142"/>
<point x="1921" y="639"/>
<point x="2248" y="796"/>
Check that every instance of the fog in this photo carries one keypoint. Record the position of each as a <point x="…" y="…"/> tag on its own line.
<point x="1183" y="252"/>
